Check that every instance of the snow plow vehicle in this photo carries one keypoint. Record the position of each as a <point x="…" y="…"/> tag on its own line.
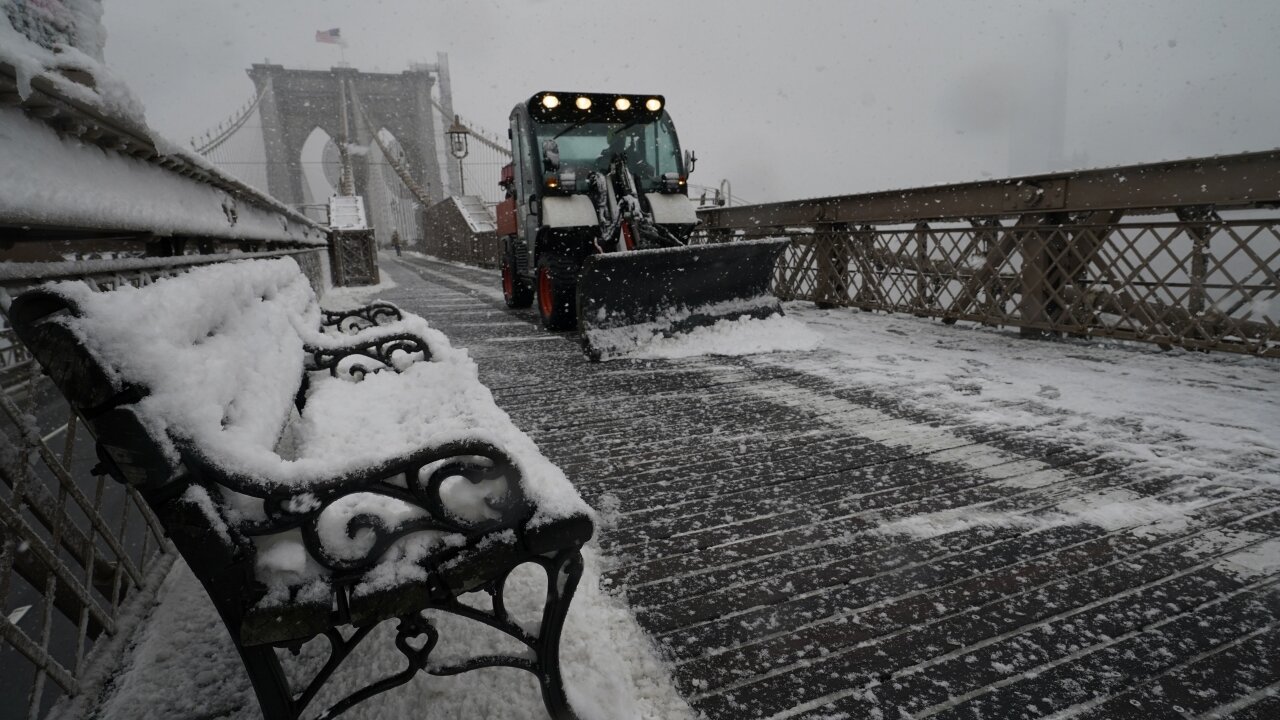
<point x="596" y="226"/>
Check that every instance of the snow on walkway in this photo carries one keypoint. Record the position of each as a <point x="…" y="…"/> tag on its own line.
<point x="915" y="520"/>
<point x="184" y="665"/>
<point x="1179" y="411"/>
<point x="911" y="520"/>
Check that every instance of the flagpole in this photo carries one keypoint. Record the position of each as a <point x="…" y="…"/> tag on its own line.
<point x="333" y="36"/>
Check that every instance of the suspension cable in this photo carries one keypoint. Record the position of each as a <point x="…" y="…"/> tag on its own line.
<point x="347" y="178"/>
<point x="401" y="171"/>
<point x="224" y="135"/>
<point x="479" y="133"/>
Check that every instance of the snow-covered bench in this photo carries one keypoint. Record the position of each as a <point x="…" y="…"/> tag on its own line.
<point x="319" y="472"/>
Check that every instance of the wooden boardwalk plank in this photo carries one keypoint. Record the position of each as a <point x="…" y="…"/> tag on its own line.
<point x="894" y="600"/>
<point x="1223" y="676"/>
<point x="792" y="561"/>
<point x="1016" y="634"/>
<point x="1263" y="708"/>
<point x="747" y="504"/>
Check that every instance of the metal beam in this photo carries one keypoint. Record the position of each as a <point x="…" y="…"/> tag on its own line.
<point x="1246" y="180"/>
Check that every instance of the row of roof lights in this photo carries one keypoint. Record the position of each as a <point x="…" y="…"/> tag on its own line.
<point x="582" y="102"/>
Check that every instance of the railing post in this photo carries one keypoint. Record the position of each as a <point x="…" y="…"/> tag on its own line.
<point x="822" y="258"/>
<point x="353" y="258"/>
<point x="1197" y="220"/>
<point x="1199" y="268"/>
<point x="1034" y="317"/>
<point x="923" y="299"/>
<point x="863" y="241"/>
<point x="832" y="256"/>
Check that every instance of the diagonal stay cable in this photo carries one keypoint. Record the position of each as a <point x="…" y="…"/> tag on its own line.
<point x="231" y="128"/>
<point x="419" y="192"/>
<point x="477" y="133"/>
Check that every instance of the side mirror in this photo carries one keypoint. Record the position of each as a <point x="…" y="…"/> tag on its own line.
<point x="551" y="154"/>
<point x="534" y="206"/>
<point x="690" y="159"/>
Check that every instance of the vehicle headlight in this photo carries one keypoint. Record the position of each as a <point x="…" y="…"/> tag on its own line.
<point x="583" y="102"/>
<point x="550" y="102"/>
<point x="653" y="104"/>
<point x="622" y="104"/>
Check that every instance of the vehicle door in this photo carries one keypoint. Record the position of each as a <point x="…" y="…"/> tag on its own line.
<point x="528" y="210"/>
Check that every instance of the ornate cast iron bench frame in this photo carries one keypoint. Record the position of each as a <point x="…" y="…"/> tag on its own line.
<point x="222" y="554"/>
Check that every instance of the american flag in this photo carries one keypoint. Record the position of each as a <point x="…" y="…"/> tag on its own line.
<point x="330" y="36"/>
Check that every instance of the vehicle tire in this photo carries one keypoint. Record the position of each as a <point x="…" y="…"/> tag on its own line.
<point x="556" y="289"/>
<point x="516" y="290"/>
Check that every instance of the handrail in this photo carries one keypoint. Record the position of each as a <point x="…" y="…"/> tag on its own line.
<point x="1245" y="180"/>
<point x="67" y="114"/>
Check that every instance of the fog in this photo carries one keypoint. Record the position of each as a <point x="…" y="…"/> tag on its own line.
<point x="785" y="99"/>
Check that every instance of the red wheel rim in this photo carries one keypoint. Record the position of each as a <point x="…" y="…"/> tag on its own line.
<point x="628" y="241"/>
<point x="508" y="281"/>
<point x="545" y="303"/>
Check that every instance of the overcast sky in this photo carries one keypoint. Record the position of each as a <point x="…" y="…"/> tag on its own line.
<point x="786" y="99"/>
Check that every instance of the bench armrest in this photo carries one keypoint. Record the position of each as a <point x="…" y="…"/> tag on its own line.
<point x="362" y="357"/>
<point x="350" y="322"/>
<point x="432" y="480"/>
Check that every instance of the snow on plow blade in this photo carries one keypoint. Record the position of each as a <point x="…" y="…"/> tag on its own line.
<point x="626" y="298"/>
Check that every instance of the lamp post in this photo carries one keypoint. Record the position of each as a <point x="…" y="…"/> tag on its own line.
<point x="458" y="148"/>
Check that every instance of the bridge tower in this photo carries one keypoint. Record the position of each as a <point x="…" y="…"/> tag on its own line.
<point x="348" y="103"/>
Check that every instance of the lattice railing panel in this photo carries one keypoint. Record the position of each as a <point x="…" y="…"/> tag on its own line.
<point x="1201" y="283"/>
<point x="80" y="554"/>
<point x="76" y="548"/>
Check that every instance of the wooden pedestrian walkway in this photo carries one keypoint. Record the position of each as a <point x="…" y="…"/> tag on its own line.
<point x="798" y="547"/>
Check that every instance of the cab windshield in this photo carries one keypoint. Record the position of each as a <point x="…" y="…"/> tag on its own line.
<point x="650" y="148"/>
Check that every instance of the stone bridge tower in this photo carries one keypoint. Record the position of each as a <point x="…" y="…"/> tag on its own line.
<point x="296" y="102"/>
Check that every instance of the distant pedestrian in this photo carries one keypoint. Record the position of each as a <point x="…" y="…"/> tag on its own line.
<point x="395" y="241"/>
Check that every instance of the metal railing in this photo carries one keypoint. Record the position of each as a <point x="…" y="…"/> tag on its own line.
<point x="81" y="556"/>
<point x="80" y="553"/>
<point x="1117" y="253"/>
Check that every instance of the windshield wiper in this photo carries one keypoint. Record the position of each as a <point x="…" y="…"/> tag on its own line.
<point x="574" y="126"/>
<point x="584" y="121"/>
<point x="624" y="127"/>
